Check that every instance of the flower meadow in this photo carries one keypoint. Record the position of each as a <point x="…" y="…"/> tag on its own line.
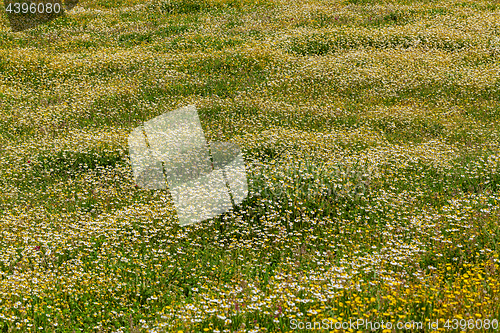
<point x="371" y="137"/>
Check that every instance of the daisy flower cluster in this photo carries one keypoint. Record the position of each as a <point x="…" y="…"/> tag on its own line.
<point x="371" y="140"/>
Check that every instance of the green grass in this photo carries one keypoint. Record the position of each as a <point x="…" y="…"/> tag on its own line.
<point x="370" y="136"/>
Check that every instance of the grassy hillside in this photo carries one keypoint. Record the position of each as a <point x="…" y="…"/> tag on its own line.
<point x="371" y="134"/>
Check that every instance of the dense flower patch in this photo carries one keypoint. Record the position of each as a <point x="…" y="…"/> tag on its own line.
<point x="371" y="140"/>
